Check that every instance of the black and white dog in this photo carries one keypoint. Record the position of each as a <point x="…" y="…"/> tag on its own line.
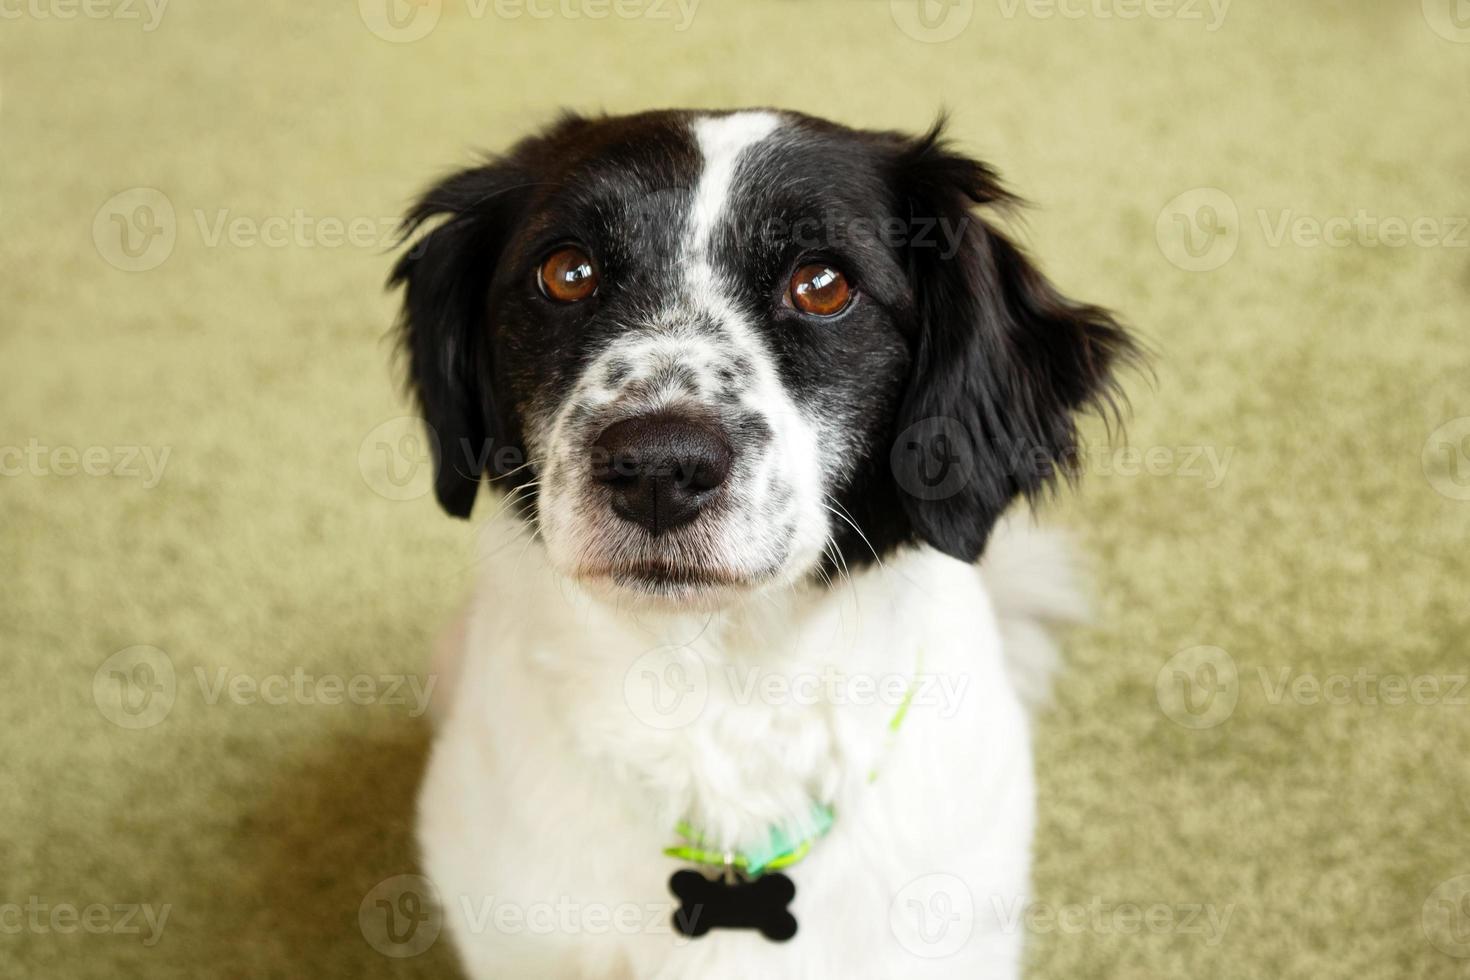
<point x="756" y="390"/>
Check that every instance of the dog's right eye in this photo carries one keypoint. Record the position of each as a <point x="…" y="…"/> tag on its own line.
<point x="819" y="289"/>
<point x="568" y="275"/>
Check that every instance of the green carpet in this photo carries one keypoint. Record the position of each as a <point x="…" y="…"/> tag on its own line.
<point x="1292" y="499"/>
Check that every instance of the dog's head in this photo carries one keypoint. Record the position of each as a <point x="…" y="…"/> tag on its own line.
<point x="710" y="352"/>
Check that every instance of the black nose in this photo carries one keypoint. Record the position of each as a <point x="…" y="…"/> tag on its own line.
<point x="661" y="469"/>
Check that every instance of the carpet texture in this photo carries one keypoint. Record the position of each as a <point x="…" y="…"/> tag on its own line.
<point x="222" y="576"/>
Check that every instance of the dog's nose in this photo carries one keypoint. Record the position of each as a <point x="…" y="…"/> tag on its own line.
<point x="662" y="470"/>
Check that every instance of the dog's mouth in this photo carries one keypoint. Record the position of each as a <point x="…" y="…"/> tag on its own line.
<point x="675" y="581"/>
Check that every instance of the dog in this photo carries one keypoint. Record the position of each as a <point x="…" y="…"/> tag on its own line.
<point x="736" y="695"/>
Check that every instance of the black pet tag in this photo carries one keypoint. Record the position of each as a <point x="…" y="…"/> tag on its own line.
<point x="732" y="903"/>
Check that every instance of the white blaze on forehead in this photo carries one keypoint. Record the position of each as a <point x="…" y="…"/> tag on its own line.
<point x="722" y="140"/>
<point x="794" y="456"/>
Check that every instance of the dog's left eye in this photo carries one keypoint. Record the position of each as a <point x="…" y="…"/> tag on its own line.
<point x="567" y="275"/>
<point x="819" y="289"/>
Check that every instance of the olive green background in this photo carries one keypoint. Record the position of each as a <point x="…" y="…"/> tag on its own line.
<point x="1328" y="540"/>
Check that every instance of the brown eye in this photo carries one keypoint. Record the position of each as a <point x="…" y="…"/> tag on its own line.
<point x="820" y="290"/>
<point x="567" y="275"/>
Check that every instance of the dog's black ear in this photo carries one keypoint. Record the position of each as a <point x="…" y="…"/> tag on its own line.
<point x="1002" y="361"/>
<point x="444" y="327"/>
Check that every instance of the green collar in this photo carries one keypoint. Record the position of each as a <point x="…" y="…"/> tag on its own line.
<point x="780" y="850"/>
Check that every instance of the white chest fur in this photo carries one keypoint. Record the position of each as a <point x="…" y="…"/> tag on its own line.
<point x="577" y="734"/>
